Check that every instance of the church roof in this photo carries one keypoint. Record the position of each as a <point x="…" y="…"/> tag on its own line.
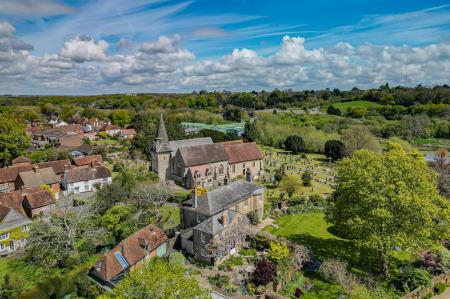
<point x="176" y="144"/>
<point x="162" y="132"/>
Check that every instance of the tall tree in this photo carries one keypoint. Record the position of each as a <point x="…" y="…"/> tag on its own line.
<point x="14" y="140"/>
<point x="294" y="144"/>
<point x="359" y="137"/>
<point x="121" y="117"/>
<point x="290" y="184"/>
<point x="389" y="199"/>
<point x="251" y="132"/>
<point x="335" y="149"/>
<point x="158" y="280"/>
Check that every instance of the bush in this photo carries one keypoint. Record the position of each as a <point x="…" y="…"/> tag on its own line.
<point x="306" y="178"/>
<point x="248" y="252"/>
<point x="336" y="271"/>
<point x="295" y="144"/>
<point x="278" y="251"/>
<point x="317" y="200"/>
<point x="265" y="272"/>
<point x="219" y="280"/>
<point x="411" y="279"/>
<point x="231" y="262"/>
<point x="176" y="258"/>
<point x="439" y="288"/>
<point x="253" y="289"/>
<point x="253" y="217"/>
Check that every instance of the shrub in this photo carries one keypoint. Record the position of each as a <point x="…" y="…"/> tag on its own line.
<point x="306" y="178"/>
<point x="176" y="259"/>
<point x="219" y="280"/>
<point x="411" y="279"/>
<point x="335" y="149"/>
<point x="295" y="144"/>
<point x="439" y="288"/>
<point x="253" y="217"/>
<point x="333" y="110"/>
<point x="317" y="200"/>
<point x="231" y="262"/>
<point x="248" y="252"/>
<point x="278" y="251"/>
<point x="336" y="271"/>
<point x="253" y="289"/>
<point x="264" y="273"/>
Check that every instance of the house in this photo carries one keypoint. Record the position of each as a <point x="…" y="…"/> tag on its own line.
<point x="243" y="157"/>
<point x="128" y="255"/>
<point x="85" y="179"/>
<point x="38" y="203"/>
<point x="71" y="141"/>
<point x="8" y="176"/>
<point x="14" y="200"/>
<point x="21" y="161"/>
<point x="209" y="216"/>
<point x="87" y="160"/>
<point x="110" y="130"/>
<point x="38" y="177"/>
<point x="14" y="228"/>
<point x="127" y="133"/>
<point x="73" y="129"/>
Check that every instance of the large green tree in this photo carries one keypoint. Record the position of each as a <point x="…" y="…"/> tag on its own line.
<point x="121" y="117"/>
<point x="14" y="140"/>
<point x="389" y="199"/>
<point x="159" y="280"/>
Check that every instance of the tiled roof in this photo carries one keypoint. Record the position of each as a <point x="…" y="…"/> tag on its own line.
<point x="242" y="152"/>
<point x="12" y="200"/>
<point x="71" y="141"/>
<point x="81" y="174"/>
<point x="128" y="132"/>
<point x="9" y="174"/>
<point x="226" y="196"/>
<point x="87" y="160"/>
<point x="21" y="159"/>
<point x="203" y="154"/>
<point x="58" y="165"/>
<point x="131" y="250"/>
<point x="40" y="199"/>
<point x="71" y="128"/>
<point x="38" y="177"/>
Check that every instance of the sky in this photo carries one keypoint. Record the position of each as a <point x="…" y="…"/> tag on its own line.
<point x="123" y="46"/>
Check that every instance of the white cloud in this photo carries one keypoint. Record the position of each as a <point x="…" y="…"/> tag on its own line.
<point x="83" y="49"/>
<point x="164" y="44"/>
<point x="6" y="29"/>
<point x="33" y="8"/>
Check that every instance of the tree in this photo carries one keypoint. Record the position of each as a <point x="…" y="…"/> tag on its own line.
<point x="306" y="178"/>
<point x="295" y="144"/>
<point x="415" y="125"/>
<point x="389" y="199"/>
<point x="11" y="286"/>
<point x="279" y="174"/>
<point x="117" y="220"/>
<point x="290" y="184"/>
<point x="251" y="132"/>
<point x="65" y="237"/>
<point x="333" y="111"/>
<point x="121" y="117"/>
<point x="278" y="251"/>
<point x="14" y="140"/>
<point x="159" y="280"/>
<point x="265" y="272"/>
<point x="335" y="149"/>
<point x="359" y="137"/>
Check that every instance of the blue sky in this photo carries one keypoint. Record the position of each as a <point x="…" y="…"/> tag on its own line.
<point x="211" y="30"/>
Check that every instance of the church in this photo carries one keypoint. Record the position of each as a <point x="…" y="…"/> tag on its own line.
<point x="201" y="162"/>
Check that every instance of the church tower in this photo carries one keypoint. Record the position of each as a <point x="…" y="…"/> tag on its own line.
<point x="161" y="152"/>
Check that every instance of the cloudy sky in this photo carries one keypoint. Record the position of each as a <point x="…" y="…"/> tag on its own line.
<point x="94" y="47"/>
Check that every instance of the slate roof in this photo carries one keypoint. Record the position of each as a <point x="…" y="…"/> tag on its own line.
<point x="176" y="144"/>
<point x="38" y="177"/>
<point x="81" y="174"/>
<point x="87" y="160"/>
<point x="226" y="196"/>
<point x="242" y="152"/>
<point x="39" y="199"/>
<point x="10" y="218"/>
<point x="108" y="266"/>
<point x="213" y="225"/>
<point x="203" y="154"/>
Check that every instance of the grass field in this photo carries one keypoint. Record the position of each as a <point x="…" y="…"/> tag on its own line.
<point x="344" y="106"/>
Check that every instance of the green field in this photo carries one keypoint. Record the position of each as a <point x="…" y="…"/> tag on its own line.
<point x="344" y="106"/>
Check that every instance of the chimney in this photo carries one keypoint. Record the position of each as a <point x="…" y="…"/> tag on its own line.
<point x="194" y="198"/>
<point x="249" y="175"/>
<point x="121" y="248"/>
<point x="224" y="218"/>
<point x="143" y="243"/>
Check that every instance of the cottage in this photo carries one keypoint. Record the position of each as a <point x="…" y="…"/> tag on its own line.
<point x="243" y="157"/>
<point x="71" y="141"/>
<point x="206" y="217"/>
<point x="14" y="228"/>
<point x="85" y="179"/>
<point x="130" y="254"/>
<point x="38" y="177"/>
<point x="111" y="130"/>
<point x="127" y="133"/>
<point x="38" y="203"/>
<point x="21" y="161"/>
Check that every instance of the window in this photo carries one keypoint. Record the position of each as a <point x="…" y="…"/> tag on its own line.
<point x="105" y="180"/>
<point x="221" y="169"/>
<point x="4" y="236"/>
<point x="2" y="247"/>
<point x="86" y="185"/>
<point x="25" y="228"/>
<point x="203" y="252"/>
<point x="202" y="237"/>
<point x="12" y="246"/>
<point x="199" y="219"/>
<point x="76" y="189"/>
<point x="24" y="242"/>
<point x="254" y="163"/>
<point x="233" y="168"/>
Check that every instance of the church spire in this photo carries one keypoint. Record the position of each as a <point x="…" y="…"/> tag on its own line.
<point x="162" y="133"/>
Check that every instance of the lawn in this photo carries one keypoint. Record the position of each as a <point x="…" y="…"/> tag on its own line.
<point x="344" y="106"/>
<point x="30" y="274"/>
